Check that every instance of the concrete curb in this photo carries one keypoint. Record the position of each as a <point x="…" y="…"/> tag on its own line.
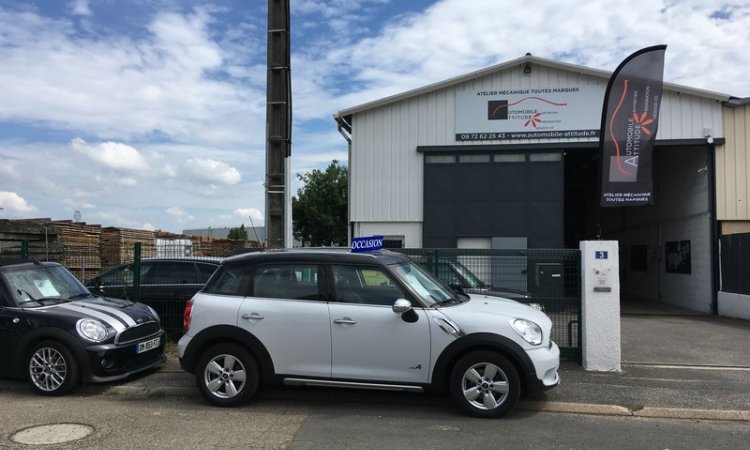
<point x="156" y="392"/>
<point x="594" y="409"/>
<point x="647" y="412"/>
<point x="698" y="414"/>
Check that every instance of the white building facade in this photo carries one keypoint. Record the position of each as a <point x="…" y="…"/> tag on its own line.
<point x="507" y="157"/>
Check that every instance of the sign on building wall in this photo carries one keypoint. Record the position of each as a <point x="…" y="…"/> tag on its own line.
<point x="551" y="112"/>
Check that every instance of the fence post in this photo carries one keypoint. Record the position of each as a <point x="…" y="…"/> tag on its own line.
<point x="137" y="272"/>
<point x="24" y="249"/>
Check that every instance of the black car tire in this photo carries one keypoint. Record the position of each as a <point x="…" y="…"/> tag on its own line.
<point x="485" y="384"/>
<point x="52" y="369"/>
<point x="227" y="375"/>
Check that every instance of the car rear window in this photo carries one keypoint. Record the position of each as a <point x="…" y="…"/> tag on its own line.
<point x="206" y="270"/>
<point x="230" y="280"/>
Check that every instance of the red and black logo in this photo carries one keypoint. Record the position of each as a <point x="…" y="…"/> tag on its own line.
<point x="497" y="110"/>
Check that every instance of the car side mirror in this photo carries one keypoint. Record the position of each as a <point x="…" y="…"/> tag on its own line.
<point x="404" y="308"/>
<point x="401" y="306"/>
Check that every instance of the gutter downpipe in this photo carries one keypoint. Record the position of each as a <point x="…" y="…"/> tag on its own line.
<point x="345" y="129"/>
<point x="714" y="230"/>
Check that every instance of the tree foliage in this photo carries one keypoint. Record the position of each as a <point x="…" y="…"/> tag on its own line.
<point x="319" y="210"/>
<point x="238" y="234"/>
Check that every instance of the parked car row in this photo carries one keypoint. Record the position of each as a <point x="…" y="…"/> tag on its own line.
<point x="166" y="284"/>
<point x="298" y="317"/>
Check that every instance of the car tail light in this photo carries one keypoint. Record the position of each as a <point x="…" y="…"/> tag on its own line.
<point x="187" y="316"/>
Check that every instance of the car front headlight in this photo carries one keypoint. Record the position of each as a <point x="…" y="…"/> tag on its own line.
<point x="529" y="331"/>
<point x="154" y="313"/>
<point x="92" y="330"/>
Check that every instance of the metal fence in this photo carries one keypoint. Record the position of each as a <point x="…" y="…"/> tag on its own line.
<point x="549" y="277"/>
<point x="165" y="276"/>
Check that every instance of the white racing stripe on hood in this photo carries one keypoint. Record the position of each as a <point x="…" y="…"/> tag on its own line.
<point x="110" y="310"/>
<point x="109" y="320"/>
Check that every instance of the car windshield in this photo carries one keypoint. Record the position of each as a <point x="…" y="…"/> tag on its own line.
<point x="42" y="284"/>
<point x="472" y="280"/>
<point x="431" y="291"/>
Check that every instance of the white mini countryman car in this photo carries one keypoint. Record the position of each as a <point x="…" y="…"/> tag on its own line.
<point x="328" y="317"/>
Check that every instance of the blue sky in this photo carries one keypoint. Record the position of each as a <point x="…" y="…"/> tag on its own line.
<point x="151" y="113"/>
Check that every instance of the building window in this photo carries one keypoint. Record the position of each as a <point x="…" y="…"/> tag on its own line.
<point x="509" y="158"/>
<point x="393" y="242"/>
<point x="473" y="159"/>
<point x="545" y="157"/>
<point x="440" y="159"/>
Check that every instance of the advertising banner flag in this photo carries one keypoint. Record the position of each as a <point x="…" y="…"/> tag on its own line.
<point x="630" y="119"/>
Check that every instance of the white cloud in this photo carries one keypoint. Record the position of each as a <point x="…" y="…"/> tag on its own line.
<point x="212" y="171"/>
<point x="127" y="182"/>
<point x="179" y="214"/>
<point x="449" y="39"/>
<point x="112" y="154"/>
<point x="120" y="86"/>
<point x="148" y="227"/>
<point x="14" y="202"/>
<point x="80" y="8"/>
<point x="8" y="170"/>
<point x="253" y="213"/>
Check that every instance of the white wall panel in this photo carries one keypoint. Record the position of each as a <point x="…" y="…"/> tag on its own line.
<point x="387" y="171"/>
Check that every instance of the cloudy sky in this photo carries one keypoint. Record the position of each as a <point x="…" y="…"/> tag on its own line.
<point x="150" y="113"/>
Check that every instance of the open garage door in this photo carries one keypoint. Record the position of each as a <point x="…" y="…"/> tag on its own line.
<point x="666" y="249"/>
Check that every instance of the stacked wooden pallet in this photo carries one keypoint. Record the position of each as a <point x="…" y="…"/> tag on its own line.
<point x="118" y="245"/>
<point x="228" y="247"/>
<point x="202" y="245"/>
<point x="80" y="242"/>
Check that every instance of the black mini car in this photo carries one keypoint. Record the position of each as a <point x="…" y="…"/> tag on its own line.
<point x="166" y="285"/>
<point x="55" y="333"/>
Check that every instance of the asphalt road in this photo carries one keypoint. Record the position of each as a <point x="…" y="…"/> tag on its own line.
<point x="323" y="419"/>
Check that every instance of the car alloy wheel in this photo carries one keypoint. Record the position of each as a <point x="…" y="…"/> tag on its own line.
<point x="52" y="369"/>
<point x="227" y="375"/>
<point x="485" y="384"/>
<point x="224" y="376"/>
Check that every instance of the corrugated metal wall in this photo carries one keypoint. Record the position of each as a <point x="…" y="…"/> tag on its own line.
<point x="733" y="166"/>
<point x="387" y="171"/>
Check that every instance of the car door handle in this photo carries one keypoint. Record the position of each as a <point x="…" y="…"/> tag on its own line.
<point x="345" y="321"/>
<point x="253" y="316"/>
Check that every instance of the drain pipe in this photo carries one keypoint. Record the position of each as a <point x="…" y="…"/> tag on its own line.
<point x="345" y="130"/>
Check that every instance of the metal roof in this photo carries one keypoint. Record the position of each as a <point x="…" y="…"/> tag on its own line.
<point x="528" y="59"/>
<point x="735" y="102"/>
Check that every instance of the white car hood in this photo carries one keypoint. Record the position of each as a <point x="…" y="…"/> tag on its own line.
<point x="493" y="308"/>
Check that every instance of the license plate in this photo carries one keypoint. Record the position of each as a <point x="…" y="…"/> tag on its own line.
<point x="147" y="345"/>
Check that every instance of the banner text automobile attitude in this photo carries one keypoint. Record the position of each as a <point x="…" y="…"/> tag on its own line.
<point x="630" y="119"/>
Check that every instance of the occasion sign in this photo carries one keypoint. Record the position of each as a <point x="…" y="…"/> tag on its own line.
<point x="528" y="113"/>
<point x="367" y="244"/>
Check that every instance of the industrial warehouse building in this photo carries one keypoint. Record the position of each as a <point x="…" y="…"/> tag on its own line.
<point x="507" y="157"/>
